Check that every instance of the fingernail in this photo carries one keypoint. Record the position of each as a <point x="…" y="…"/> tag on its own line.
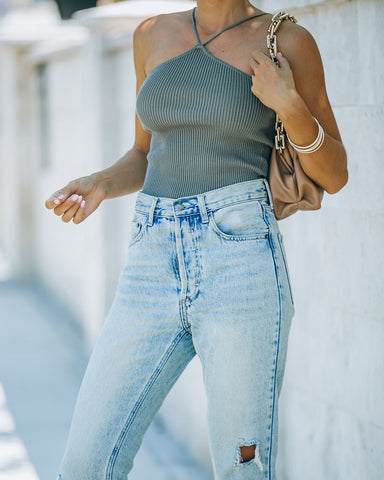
<point x="56" y="201"/>
<point x="61" y="197"/>
<point x="74" y="198"/>
<point x="82" y="204"/>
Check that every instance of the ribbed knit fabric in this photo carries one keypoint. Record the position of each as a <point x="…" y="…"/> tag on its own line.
<point x="208" y="129"/>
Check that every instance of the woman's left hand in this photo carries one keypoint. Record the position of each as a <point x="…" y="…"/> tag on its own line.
<point x="272" y="84"/>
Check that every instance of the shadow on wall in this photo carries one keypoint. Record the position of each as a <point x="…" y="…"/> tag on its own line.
<point x="68" y="7"/>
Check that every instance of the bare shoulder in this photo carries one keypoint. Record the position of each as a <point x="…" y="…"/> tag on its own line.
<point x="153" y="28"/>
<point x="154" y="37"/>
<point x="298" y="44"/>
<point x="299" y="47"/>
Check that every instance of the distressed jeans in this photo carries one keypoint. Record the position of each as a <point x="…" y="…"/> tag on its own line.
<point x="206" y="275"/>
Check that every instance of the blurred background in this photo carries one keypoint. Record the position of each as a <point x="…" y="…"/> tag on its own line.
<point x="67" y="106"/>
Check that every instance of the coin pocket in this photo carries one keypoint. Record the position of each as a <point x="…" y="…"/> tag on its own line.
<point x="240" y="221"/>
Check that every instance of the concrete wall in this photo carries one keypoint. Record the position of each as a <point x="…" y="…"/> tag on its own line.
<point x="331" y="420"/>
<point x="68" y="95"/>
<point x="44" y="144"/>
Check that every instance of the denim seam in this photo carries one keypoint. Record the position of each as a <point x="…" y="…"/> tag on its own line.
<point x="184" y="315"/>
<point x="197" y="274"/>
<point x="233" y="238"/>
<point x="182" y="301"/>
<point x="283" y="254"/>
<point x="263" y="213"/>
<point x="140" y="400"/>
<point x="222" y="204"/>
<point x="139" y="234"/>
<point x="135" y="236"/>
<point x="278" y="325"/>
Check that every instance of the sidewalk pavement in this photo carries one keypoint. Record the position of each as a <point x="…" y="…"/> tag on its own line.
<point x="42" y="361"/>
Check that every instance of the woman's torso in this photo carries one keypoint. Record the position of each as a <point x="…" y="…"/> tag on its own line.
<point x="208" y="129"/>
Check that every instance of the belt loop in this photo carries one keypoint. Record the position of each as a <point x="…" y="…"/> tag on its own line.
<point x="151" y="210"/>
<point x="202" y="208"/>
<point x="269" y="192"/>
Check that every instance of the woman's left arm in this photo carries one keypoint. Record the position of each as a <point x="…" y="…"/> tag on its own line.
<point x="297" y="92"/>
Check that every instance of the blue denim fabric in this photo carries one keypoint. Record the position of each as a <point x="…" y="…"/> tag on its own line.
<point x="204" y="274"/>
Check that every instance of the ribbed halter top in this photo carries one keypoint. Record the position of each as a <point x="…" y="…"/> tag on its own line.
<point x="208" y="129"/>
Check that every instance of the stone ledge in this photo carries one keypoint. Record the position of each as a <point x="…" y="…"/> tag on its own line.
<point x="125" y="15"/>
<point x="301" y="6"/>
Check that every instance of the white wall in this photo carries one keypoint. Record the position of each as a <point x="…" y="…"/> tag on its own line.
<point x="90" y="108"/>
<point x="332" y="421"/>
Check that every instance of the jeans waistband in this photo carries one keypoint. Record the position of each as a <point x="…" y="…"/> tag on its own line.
<point x="203" y="202"/>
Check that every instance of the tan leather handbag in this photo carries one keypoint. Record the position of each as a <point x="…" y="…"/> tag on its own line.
<point x="291" y="188"/>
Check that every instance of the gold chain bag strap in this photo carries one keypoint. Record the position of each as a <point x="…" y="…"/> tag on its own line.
<point x="291" y="188"/>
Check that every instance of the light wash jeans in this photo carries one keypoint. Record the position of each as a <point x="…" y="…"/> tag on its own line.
<point x="204" y="274"/>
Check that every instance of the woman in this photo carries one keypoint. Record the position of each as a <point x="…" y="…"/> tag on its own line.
<point x="205" y="270"/>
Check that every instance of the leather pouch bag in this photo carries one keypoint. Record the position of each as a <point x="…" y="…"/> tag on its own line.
<point x="291" y="188"/>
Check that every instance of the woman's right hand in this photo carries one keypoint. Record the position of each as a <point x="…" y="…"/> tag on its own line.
<point x="78" y="199"/>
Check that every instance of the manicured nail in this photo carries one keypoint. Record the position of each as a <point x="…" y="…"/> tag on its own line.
<point x="61" y="197"/>
<point x="56" y="201"/>
<point x="74" y="198"/>
<point x="82" y="204"/>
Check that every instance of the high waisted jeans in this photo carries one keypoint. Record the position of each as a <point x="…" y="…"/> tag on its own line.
<point x="203" y="274"/>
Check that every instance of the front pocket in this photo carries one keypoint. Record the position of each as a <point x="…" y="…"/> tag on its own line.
<point x="138" y="227"/>
<point x="240" y="221"/>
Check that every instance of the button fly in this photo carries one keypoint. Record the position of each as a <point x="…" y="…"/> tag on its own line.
<point x="179" y="207"/>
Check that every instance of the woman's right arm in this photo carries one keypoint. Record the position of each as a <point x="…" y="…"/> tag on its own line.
<point x="127" y="174"/>
<point x="80" y="197"/>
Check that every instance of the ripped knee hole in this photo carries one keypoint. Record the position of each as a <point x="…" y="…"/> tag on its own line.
<point x="249" y="453"/>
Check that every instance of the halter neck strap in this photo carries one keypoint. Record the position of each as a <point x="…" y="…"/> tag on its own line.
<point x="221" y="31"/>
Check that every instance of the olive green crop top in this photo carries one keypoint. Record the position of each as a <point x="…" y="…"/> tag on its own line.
<point x="208" y="129"/>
